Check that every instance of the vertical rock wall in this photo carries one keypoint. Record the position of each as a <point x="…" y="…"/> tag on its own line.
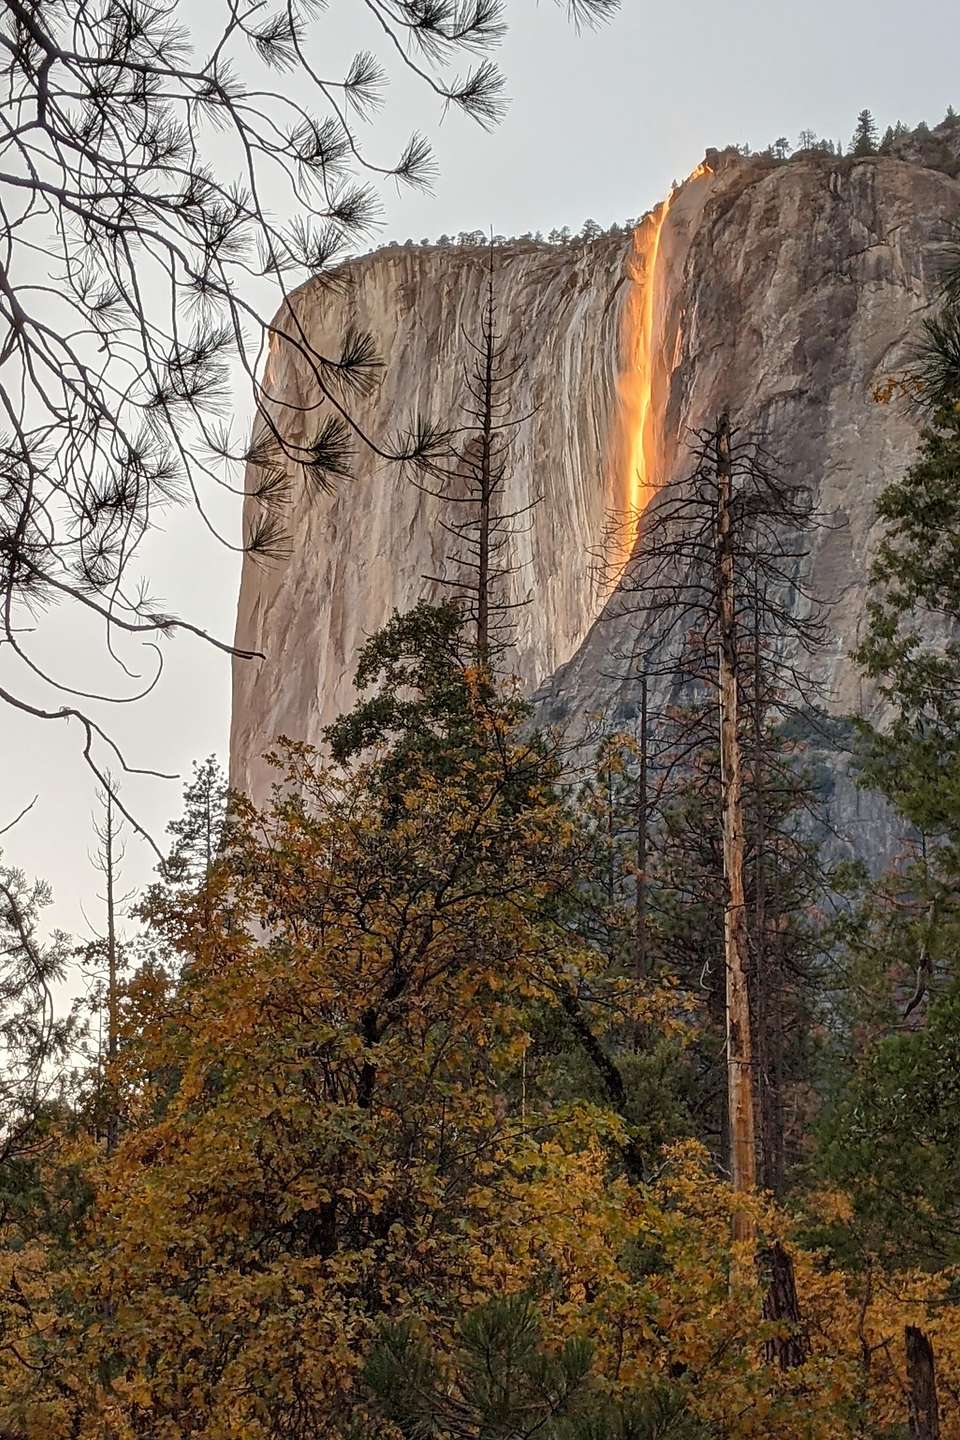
<point x="364" y="551"/>
<point x="801" y="288"/>
<point x="782" y="291"/>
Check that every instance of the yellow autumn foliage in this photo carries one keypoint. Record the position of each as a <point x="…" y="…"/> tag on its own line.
<point x="330" y="1120"/>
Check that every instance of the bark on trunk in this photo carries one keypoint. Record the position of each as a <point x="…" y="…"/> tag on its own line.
<point x="742" y="1121"/>
<point x="781" y="1307"/>
<point x="924" y="1410"/>
<point x="642" y="831"/>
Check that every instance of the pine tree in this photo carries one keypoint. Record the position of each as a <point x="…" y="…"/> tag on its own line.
<point x="715" y="552"/>
<point x="890" y="1130"/>
<point x="471" y="486"/>
<point x="35" y="1041"/>
<point x="503" y="1380"/>
<point x="198" y="833"/>
<point x="104" y="958"/>
<point x="864" y="140"/>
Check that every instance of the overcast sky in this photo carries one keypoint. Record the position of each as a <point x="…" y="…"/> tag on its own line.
<point x="598" y="127"/>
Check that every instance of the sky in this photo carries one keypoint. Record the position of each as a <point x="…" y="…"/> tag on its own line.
<point x="598" y="126"/>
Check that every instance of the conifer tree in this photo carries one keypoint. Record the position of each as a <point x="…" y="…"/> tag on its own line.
<point x="888" y="1131"/>
<point x="35" y="1036"/>
<point x="864" y="140"/>
<point x="716" y="553"/>
<point x="104" y="957"/>
<point x="198" y="833"/>
<point x="472" y="485"/>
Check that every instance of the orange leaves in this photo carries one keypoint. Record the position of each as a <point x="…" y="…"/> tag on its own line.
<point x="898" y="387"/>
<point x="341" y="1115"/>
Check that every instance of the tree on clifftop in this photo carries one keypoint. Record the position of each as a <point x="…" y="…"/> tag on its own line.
<point x="865" y="135"/>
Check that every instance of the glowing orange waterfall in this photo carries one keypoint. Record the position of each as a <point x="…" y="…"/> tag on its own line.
<point x="637" y="380"/>
<point x="638" y="449"/>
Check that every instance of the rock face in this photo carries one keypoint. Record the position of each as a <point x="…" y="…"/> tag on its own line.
<point x="782" y="291"/>
<point x="363" y="552"/>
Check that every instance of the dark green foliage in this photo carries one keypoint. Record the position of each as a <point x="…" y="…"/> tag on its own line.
<point x="199" y="832"/>
<point x="865" y="135"/>
<point x="434" y="711"/>
<point x="915" y="655"/>
<point x="35" y="1041"/>
<point x="425" y="688"/>
<point x="889" y="1132"/>
<point x="504" y="1383"/>
<point x="893" y="1140"/>
<point x="938" y="360"/>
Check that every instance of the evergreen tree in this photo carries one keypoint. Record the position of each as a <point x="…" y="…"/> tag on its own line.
<point x="198" y="833"/>
<point x="889" y="1132"/>
<point x="472" y="485"/>
<point x="505" y="1382"/>
<point x="34" y="1040"/>
<point x="864" y="140"/>
<point x="915" y="761"/>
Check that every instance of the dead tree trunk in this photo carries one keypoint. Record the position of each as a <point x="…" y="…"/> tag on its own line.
<point x="106" y="949"/>
<point x="742" y="1121"/>
<point x="109" y="870"/>
<point x="642" y="837"/>
<point x="923" y="1408"/>
<point x="768" y="1017"/>
<point x="780" y="1306"/>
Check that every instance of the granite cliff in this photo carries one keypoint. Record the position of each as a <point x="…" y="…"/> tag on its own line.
<point x="784" y="291"/>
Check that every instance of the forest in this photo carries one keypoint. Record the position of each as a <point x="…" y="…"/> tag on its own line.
<point x="487" y="1081"/>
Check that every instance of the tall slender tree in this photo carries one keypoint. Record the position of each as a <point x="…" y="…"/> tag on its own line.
<point x="720" y="554"/>
<point x="35" y="1036"/>
<point x="103" y="957"/>
<point x="473" y="484"/>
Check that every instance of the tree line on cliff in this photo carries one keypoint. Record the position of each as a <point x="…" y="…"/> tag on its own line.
<point x="937" y="147"/>
<point x="471" y="1087"/>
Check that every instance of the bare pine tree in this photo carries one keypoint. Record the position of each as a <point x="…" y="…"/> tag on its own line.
<point x="719" y="573"/>
<point x="472" y="485"/>
<point x="102" y="958"/>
